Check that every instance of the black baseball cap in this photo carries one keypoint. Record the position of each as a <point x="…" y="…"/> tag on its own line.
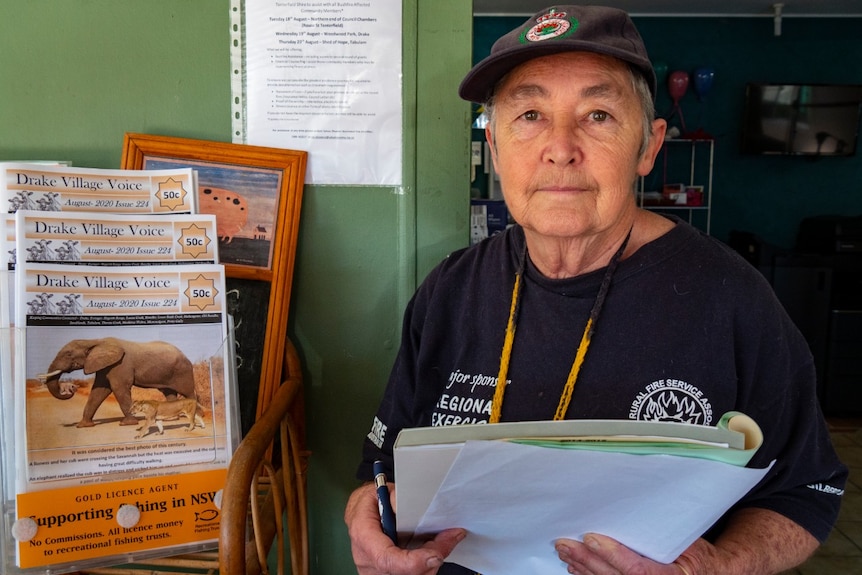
<point x="560" y="29"/>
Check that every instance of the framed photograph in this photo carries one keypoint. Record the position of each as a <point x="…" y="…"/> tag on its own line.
<point x="255" y="193"/>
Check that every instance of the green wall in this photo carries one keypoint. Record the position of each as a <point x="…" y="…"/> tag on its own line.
<point x="76" y="75"/>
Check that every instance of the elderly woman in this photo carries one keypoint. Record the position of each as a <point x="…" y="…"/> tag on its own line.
<point x="591" y="307"/>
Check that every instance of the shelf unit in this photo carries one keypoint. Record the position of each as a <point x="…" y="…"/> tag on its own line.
<point x="699" y="166"/>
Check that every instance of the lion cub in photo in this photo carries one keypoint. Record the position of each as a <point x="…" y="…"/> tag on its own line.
<point x="155" y="412"/>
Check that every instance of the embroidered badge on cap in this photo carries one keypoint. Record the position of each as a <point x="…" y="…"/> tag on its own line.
<point x="551" y="25"/>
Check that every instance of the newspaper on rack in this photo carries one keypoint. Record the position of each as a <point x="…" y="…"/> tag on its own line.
<point x="53" y="188"/>
<point x="132" y="339"/>
<point x="101" y="238"/>
<point x="74" y="238"/>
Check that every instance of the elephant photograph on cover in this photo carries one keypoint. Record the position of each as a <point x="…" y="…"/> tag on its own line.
<point x="119" y="365"/>
<point x="81" y="383"/>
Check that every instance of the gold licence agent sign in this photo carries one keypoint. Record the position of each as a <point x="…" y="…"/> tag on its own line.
<point x="84" y="523"/>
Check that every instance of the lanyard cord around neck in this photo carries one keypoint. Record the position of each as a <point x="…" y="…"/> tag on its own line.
<point x="589" y="329"/>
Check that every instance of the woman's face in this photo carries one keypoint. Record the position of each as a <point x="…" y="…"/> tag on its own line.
<point x="566" y="135"/>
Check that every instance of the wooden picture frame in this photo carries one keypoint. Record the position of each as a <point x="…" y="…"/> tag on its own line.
<point x="256" y="194"/>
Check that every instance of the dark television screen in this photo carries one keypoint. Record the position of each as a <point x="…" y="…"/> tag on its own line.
<point x="801" y="119"/>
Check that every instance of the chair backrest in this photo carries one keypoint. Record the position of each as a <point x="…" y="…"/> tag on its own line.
<point x="267" y="475"/>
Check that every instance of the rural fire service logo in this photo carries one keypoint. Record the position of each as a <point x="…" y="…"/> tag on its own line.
<point x="672" y="400"/>
<point x="551" y="25"/>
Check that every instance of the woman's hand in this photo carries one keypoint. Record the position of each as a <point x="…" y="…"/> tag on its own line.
<point x="754" y="542"/>
<point x="373" y="551"/>
<point x="601" y="555"/>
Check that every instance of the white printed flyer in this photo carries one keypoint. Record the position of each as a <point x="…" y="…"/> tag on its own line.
<point x="326" y="77"/>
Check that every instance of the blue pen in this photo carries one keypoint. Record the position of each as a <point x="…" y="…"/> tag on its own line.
<point x="384" y="506"/>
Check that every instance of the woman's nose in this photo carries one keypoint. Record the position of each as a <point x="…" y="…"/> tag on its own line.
<point x="564" y="144"/>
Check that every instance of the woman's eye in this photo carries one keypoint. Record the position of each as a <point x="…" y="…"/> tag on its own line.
<point x="531" y="116"/>
<point x="599" y="116"/>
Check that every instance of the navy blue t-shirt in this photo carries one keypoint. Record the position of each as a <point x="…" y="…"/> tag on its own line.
<point x="688" y="332"/>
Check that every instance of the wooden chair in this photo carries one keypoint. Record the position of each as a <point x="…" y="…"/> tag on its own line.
<point x="268" y="475"/>
<point x="263" y="500"/>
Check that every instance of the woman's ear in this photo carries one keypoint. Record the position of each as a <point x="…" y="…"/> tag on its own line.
<point x="647" y="159"/>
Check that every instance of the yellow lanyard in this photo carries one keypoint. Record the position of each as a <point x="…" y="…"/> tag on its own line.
<point x="589" y="329"/>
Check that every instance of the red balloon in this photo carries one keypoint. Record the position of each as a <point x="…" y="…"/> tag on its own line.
<point x="677" y="84"/>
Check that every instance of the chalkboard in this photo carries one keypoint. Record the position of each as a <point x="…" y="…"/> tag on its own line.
<point x="244" y="299"/>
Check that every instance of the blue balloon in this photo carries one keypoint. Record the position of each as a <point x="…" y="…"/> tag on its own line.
<point x="703" y="79"/>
